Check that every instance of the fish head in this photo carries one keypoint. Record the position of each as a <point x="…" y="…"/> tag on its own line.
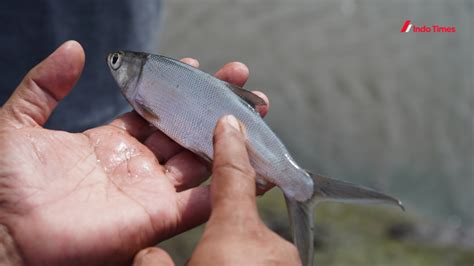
<point x="126" y="68"/>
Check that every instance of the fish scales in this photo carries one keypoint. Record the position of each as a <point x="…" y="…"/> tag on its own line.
<point x="189" y="104"/>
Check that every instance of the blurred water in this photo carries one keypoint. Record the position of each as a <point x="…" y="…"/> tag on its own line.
<point x="351" y="96"/>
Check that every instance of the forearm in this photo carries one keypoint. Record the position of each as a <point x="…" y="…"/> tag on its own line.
<point x="9" y="254"/>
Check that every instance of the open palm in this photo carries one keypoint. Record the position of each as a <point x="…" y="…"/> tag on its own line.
<point x="99" y="196"/>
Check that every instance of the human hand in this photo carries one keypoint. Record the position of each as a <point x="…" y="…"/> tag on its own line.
<point x="95" y="197"/>
<point x="234" y="235"/>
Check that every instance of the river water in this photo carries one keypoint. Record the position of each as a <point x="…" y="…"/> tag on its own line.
<point x="351" y="96"/>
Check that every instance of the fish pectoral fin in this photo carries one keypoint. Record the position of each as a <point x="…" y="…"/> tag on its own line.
<point x="145" y="111"/>
<point x="301" y="223"/>
<point x="251" y="98"/>
<point x="329" y="189"/>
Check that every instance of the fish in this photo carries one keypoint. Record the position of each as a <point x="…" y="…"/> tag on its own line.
<point x="185" y="103"/>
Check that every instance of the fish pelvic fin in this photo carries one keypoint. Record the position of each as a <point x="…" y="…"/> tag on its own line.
<point x="326" y="189"/>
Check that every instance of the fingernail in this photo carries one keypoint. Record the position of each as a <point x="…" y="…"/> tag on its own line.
<point x="232" y="121"/>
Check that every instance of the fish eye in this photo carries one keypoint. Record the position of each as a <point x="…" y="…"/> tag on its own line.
<point x="115" y="60"/>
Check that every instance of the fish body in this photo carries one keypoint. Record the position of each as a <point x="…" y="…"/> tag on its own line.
<point x="186" y="103"/>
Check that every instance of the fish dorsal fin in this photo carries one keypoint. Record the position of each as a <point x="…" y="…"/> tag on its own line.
<point x="252" y="99"/>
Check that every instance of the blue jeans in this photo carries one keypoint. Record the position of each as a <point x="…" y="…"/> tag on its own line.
<point x="31" y="30"/>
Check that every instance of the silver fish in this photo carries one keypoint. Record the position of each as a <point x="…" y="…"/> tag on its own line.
<point x="185" y="103"/>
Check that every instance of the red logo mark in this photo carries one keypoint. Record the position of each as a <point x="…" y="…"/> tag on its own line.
<point x="406" y="26"/>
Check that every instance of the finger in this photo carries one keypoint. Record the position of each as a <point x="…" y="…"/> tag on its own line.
<point x="153" y="257"/>
<point x="190" y="61"/>
<point x="194" y="208"/>
<point x="233" y="184"/>
<point x="235" y="73"/>
<point x="263" y="110"/>
<point x="45" y="85"/>
<point x="162" y="146"/>
<point x="186" y="170"/>
<point x="135" y="125"/>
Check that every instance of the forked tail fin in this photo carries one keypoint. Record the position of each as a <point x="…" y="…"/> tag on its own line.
<point x="301" y="222"/>
<point x="326" y="189"/>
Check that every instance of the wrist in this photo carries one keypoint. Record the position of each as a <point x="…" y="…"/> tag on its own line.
<point x="9" y="254"/>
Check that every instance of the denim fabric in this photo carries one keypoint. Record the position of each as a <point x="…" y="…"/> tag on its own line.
<point x="31" y="30"/>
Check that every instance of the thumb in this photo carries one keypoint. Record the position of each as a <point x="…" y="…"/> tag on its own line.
<point x="233" y="181"/>
<point x="152" y="257"/>
<point x="44" y="86"/>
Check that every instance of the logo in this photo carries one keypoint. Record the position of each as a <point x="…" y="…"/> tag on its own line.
<point x="408" y="26"/>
